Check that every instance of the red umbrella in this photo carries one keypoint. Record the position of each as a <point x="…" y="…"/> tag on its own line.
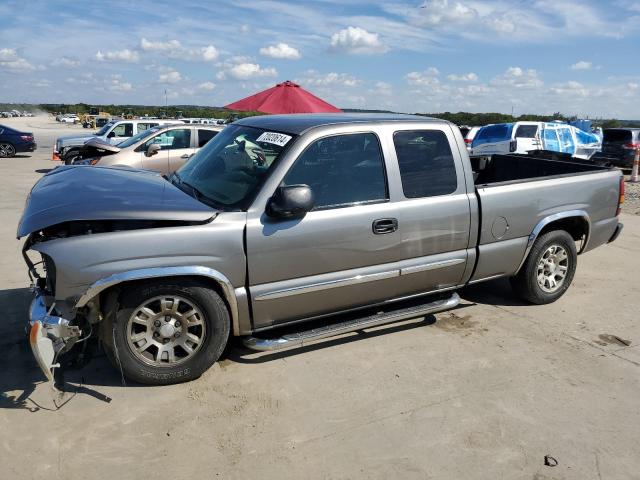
<point x="286" y="97"/>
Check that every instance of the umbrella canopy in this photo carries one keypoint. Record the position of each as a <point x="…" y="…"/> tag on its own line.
<point x="286" y="97"/>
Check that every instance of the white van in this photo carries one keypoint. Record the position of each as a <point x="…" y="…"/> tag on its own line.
<point x="523" y="137"/>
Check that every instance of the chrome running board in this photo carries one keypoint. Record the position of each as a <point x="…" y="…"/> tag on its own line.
<point x="299" y="339"/>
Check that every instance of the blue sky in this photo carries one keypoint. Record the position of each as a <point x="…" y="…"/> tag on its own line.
<point x="535" y="56"/>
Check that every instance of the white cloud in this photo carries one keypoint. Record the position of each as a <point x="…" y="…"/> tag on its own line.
<point x="171" y="76"/>
<point x="437" y="12"/>
<point x="207" y="86"/>
<point x="125" y="55"/>
<point x="281" y="50"/>
<point x="243" y="70"/>
<point x="118" y="86"/>
<point x="519" y="78"/>
<point x="429" y="77"/>
<point x="357" y="40"/>
<point x="209" y="53"/>
<point x="582" y="65"/>
<point x="465" y="77"/>
<point x="148" y="45"/>
<point x="9" y="60"/>
<point x="174" y="49"/>
<point x="67" y="62"/>
<point x="313" y="78"/>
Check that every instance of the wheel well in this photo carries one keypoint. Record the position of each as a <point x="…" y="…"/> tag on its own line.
<point x="577" y="227"/>
<point x="209" y="282"/>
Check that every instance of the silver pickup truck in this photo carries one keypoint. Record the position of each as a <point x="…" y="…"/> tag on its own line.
<point x="324" y="224"/>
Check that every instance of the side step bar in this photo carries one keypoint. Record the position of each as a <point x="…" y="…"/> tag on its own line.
<point x="300" y="339"/>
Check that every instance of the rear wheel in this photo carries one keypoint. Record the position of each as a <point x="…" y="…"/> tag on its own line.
<point x="167" y="331"/>
<point x="549" y="269"/>
<point x="7" y="150"/>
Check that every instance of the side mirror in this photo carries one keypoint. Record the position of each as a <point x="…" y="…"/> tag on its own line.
<point x="291" y="201"/>
<point x="513" y="145"/>
<point x="152" y="150"/>
<point x="111" y="134"/>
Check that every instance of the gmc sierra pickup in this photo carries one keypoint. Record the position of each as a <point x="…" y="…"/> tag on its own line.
<point x="347" y="221"/>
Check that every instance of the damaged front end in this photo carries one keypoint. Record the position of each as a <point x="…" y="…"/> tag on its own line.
<point x="50" y="334"/>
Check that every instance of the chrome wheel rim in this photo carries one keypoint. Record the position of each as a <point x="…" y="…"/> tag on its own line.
<point x="6" y="150"/>
<point x="552" y="268"/>
<point x="166" y="331"/>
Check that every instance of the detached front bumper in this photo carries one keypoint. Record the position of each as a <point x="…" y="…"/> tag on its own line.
<point x="49" y="335"/>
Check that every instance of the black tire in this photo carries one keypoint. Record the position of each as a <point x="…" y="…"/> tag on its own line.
<point x="71" y="156"/>
<point x="7" y="150"/>
<point x="116" y="332"/>
<point x="526" y="284"/>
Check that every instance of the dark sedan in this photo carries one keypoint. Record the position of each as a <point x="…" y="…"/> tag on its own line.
<point x="12" y="142"/>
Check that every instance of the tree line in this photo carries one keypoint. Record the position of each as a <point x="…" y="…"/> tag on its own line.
<point x="195" y="111"/>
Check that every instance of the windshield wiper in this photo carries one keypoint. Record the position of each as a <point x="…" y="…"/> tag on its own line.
<point x="195" y="193"/>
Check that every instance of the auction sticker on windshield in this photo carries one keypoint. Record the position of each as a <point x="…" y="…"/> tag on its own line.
<point x="279" y="139"/>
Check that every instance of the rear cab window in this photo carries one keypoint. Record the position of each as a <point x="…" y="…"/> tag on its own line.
<point x="427" y="166"/>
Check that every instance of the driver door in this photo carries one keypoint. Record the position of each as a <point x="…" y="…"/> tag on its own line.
<point x="335" y="257"/>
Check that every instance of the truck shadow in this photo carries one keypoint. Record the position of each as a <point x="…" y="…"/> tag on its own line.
<point x="494" y="292"/>
<point x="236" y="352"/>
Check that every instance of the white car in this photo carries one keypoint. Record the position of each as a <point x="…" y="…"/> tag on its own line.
<point x="523" y="137"/>
<point x="69" y="119"/>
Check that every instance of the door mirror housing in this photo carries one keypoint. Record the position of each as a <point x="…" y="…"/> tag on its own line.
<point x="513" y="145"/>
<point x="111" y="134"/>
<point x="152" y="150"/>
<point x="291" y="201"/>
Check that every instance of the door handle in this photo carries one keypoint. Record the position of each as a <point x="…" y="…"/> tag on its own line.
<point x="186" y="155"/>
<point x="382" y="226"/>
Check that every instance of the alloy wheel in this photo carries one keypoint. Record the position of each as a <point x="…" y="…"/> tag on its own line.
<point x="552" y="268"/>
<point x="165" y="331"/>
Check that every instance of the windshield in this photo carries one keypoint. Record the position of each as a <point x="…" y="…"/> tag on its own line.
<point x="103" y="130"/>
<point x="230" y="168"/>
<point x="136" y="138"/>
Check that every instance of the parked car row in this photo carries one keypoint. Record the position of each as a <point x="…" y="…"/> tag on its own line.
<point x="68" y="148"/>
<point x="615" y="146"/>
<point x="163" y="149"/>
<point x="15" y="113"/>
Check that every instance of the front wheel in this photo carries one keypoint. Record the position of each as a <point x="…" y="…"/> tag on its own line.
<point x="71" y="156"/>
<point x="548" y="270"/>
<point x="167" y="332"/>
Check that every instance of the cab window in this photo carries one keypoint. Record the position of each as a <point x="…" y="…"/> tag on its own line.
<point x="172" y="139"/>
<point x="342" y="170"/>
<point x="122" y="130"/>
<point x="427" y="168"/>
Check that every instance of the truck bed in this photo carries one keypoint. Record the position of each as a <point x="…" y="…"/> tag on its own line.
<point x="516" y="168"/>
<point x="516" y="192"/>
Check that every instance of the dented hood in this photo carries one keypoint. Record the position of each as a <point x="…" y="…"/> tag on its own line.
<point x="96" y="193"/>
<point x="98" y="146"/>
